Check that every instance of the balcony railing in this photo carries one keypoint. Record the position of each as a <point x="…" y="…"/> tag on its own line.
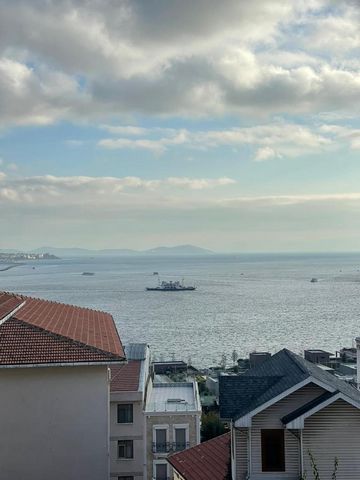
<point x="161" y="447"/>
<point x="178" y="446"/>
<point x="169" y="447"/>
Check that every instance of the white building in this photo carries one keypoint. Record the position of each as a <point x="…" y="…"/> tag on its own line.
<point x="173" y="415"/>
<point x="127" y="421"/>
<point x="54" y="383"/>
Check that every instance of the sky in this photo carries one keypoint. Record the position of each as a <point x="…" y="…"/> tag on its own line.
<point x="231" y="125"/>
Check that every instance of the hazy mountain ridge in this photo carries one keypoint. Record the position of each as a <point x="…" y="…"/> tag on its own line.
<point x="165" y="251"/>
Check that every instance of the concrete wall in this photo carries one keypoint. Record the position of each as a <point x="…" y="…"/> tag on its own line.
<point x="54" y="423"/>
<point x="134" y="431"/>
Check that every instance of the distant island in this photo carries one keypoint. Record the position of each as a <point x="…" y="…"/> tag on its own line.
<point x="21" y="256"/>
<point x="161" y="251"/>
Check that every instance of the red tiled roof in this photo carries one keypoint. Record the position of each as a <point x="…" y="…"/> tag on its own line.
<point x="125" y="378"/>
<point x="87" y="329"/>
<point x="24" y="344"/>
<point x="209" y="460"/>
<point x="8" y="303"/>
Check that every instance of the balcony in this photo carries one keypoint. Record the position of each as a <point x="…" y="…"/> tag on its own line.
<point x="169" y="447"/>
<point x="161" y="447"/>
<point x="179" y="446"/>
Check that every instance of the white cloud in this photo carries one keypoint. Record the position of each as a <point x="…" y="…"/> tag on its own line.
<point x="175" y="58"/>
<point x="100" y="190"/>
<point x="272" y="140"/>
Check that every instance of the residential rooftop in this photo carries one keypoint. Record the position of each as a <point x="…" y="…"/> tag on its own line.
<point x="173" y="397"/>
<point x="35" y="331"/>
<point x="239" y="395"/>
<point x="209" y="460"/>
<point x="126" y="377"/>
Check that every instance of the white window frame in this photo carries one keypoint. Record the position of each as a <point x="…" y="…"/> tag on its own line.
<point x="161" y="462"/>
<point x="184" y="426"/>
<point x="163" y="426"/>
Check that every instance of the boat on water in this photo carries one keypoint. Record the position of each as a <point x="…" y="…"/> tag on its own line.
<point x="314" y="280"/>
<point x="170" y="287"/>
<point x="88" y="274"/>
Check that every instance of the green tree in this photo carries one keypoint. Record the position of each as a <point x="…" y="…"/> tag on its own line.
<point x="211" y="426"/>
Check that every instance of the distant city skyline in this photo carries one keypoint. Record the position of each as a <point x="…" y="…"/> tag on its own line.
<point x="135" y="124"/>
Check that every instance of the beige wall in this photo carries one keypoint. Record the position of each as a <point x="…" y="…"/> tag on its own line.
<point x="271" y="418"/>
<point x="334" y="432"/>
<point x="54" y="423"/>
<point x="134" y="431"/>
<point x="170" y="420"/>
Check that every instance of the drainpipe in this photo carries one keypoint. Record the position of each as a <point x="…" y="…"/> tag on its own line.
<point x="357" y="340"/>
<point x="301" y="454"/>
<point x="249" y="455"/>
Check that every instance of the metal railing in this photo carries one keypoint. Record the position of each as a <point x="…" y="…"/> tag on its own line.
<point x="169" y="447"/>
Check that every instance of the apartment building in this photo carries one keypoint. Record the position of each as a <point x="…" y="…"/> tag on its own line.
<point x="54" y="383"/>
<point x="127" y="420"/>
<point x="172" y="415"/>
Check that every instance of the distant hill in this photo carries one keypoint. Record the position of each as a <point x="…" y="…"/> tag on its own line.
<point x="179" y="250"/>
<point x="163" y="251"/>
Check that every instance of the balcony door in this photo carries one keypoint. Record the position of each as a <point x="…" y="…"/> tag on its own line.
<point x="180" y="439"/>
<point x="161" y="440"/>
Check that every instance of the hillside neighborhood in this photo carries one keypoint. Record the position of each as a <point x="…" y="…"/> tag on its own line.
<point x="77" y="404"/>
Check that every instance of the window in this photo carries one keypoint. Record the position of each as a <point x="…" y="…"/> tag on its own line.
<point x="125" y="449"/>
<point x="161" y="445"/>
<point x="180" y="439"/>
<point x="125" y="413"/>
<point x="161" y="471"/>
<point x="273" y="450"/>
<point x="126" y="477"/>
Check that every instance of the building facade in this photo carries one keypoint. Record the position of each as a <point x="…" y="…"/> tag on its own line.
<point x="127" y="420"/>
<point x="287" y="413"/>
<point x="173" y="415"/>
<point x="54" y="383"/>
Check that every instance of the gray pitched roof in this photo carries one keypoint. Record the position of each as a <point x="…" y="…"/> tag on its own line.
<point x="240" y="395"/>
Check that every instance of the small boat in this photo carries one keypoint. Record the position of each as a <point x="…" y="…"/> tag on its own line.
<point x="314" y="280"/>
<point x="88" y="274"/>
<point x="155" y="273"/>
<point x="170" y="287"/>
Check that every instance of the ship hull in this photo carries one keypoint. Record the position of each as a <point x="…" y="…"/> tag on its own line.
<point x="159" y="289"/>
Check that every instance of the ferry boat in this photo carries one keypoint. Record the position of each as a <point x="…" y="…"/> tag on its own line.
<point x="170" y="287"/>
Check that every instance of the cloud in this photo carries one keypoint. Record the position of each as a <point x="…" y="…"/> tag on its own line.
<point x="167" y="58"/>
<point x="273" y="140"/>
<point x="100" y="190"/>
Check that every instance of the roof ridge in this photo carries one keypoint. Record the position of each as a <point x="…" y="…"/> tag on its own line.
<point x="53" y="302"/>
<point x="64" y="337"/>
<point x="295" y="358"/>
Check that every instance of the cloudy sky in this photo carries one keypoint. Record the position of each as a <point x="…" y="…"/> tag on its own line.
<point x="232" y="125"/>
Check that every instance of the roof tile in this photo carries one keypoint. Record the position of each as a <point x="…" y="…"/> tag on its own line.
<point x="209" y="460"/>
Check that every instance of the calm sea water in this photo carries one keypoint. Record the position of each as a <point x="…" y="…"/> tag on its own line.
<point x="242" y="302"/>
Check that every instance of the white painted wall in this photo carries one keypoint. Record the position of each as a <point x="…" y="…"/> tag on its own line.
<point x="54" y="423"/>
<point x="134" y="431"/>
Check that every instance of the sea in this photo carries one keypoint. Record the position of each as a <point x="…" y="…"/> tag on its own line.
<point x="243" y="302"/>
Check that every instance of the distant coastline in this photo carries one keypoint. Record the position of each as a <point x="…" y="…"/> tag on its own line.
<point x="21" y="256"/>
<point x="158" y="251"/>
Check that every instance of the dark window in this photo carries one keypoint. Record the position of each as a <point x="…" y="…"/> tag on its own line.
<point x="161" y="444"/>
<point x="125" y="413"/>
<point x="126" y="477"/>
<point x="161" y="471"/>
<point x="180" y="439"/>
<point x="125" y="449"/>
<point x="273" y="450"/>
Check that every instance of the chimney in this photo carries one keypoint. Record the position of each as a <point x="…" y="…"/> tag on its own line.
<point x="357" y="340"/>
